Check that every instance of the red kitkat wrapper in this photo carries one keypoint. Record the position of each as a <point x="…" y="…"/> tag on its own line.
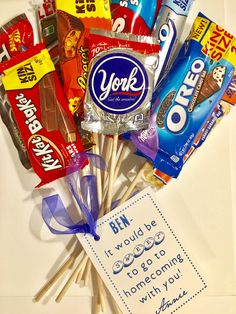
<point x="46" y="124"/>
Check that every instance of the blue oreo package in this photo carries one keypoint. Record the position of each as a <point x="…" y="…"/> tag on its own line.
<point x="187" y="97"/>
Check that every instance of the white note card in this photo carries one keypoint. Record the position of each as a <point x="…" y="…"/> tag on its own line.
<point x="141" y="260"/>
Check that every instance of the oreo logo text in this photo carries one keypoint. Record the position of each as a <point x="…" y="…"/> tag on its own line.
<point x="118" y="83"/>
<point x="177" y="116"/>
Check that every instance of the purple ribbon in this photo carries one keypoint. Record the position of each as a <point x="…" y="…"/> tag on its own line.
<point x="53" y="207"/>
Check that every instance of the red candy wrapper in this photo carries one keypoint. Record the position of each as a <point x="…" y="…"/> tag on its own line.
<point x="134" y="16"/>
<point x="41" y="112"/>
<point x="15" y="36"/>
<point x="47" y="25"/>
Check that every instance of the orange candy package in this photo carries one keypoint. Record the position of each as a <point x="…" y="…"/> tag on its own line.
<point x="74" y="19"/>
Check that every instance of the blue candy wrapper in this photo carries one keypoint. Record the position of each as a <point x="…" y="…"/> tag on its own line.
<point x="187" y="97"/>
<point x="168" y="29"/>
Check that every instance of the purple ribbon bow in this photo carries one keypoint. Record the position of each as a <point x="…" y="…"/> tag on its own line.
<point x="53" y="207"/>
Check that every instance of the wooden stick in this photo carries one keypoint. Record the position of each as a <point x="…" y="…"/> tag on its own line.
<point x="87" y="273"/>
<point x="101" y="285"/>
<point x="116" y="309"/>
<point x="120" y="159"/>
<point x="60" y="272"/>
<point x="71" y="279"/>
<point x="133" y="184"/>
<point x="82" y="267"/>
<point x="98" y="171"/>
<point x="80" y="274"/>
<point x="101" y="293"/>
<point x="111" y="174"/>
<point x="96" y="150"/>
<point x="98" y="308"/>
<point x="119" y="150"/>
<point x="106" y="153"/>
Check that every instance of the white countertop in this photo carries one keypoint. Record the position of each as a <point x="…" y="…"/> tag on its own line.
<point x="201" y="204"/>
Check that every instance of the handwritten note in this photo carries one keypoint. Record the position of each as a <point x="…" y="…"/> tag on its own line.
<point x="141" y="260"/>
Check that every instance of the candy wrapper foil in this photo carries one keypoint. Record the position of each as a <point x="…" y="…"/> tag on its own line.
<point x="120" y="80"/>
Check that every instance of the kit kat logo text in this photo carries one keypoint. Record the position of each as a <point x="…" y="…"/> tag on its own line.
<point x="45" y="152"/>
<point x="26" y="73"/>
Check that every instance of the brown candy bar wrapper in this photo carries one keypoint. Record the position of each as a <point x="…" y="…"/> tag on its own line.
<point x="15" y="37"/>
<point x="47" y="28"/>
<point x="74" y="19"/>
<point x="45" y="122"/>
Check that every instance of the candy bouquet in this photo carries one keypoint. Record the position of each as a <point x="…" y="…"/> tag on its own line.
<point x="106" y="76"/>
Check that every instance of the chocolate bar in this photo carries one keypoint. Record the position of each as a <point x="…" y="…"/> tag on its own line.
<point x="70" y="30"/>
<point x="49" y="29"/>
<point x="48" y="103"/>
<point x="52" y="115"/>
<point x="66" y="128"/>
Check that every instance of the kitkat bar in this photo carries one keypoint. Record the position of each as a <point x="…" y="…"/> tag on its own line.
<point x="15" y="36"/>
<point x="74" y="19"/>
<point x="41" y="112"/>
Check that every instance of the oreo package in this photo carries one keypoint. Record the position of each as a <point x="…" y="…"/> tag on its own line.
<point x="187" y="97"/>
<point x="120" y="87"/>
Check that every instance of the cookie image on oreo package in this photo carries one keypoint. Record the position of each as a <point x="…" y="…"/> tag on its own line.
<point x="165" y="105"/>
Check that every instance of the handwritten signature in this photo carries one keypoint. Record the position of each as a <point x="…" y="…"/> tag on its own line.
<point x="166" y="304"/>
